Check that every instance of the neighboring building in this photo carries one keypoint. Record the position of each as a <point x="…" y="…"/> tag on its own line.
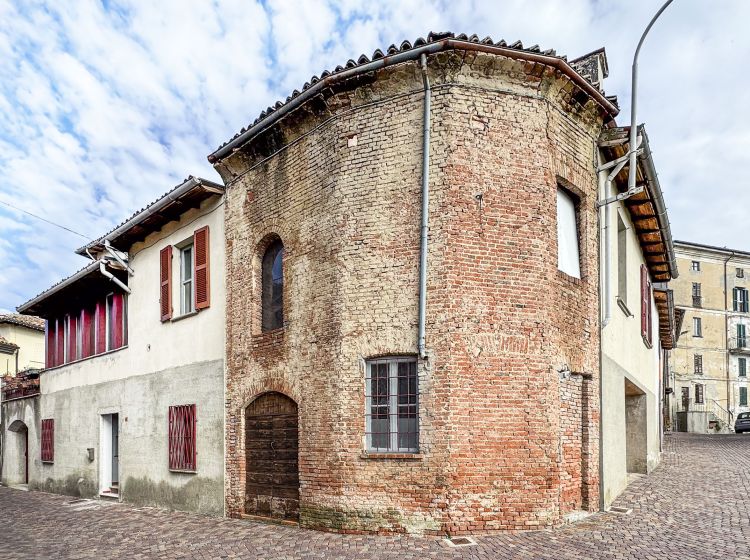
<point x="638" y="319"/>
<point x="21" y="343"/>
<point x="710" y="365"/>
<point x="132" y="399"/>
<point x="336" y="413"/>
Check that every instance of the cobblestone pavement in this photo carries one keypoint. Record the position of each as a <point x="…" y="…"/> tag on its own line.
<point x="695" y="505"/>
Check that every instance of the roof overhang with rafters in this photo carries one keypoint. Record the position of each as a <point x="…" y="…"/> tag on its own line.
<point x="188" y="194"/>
<point x="647" y="209"/>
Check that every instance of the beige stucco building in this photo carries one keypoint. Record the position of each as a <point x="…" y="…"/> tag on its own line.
<point x="21" y="343"/>
<point x="637" y="322"/>
<point x="131" y="402"/>
<point x="710" y="363"/>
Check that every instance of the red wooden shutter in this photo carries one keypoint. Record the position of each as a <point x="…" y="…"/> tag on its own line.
<point x="50" y="341"/>
<point x="72" y="339"/>
<point x="182" y="436"/>
<point x="165" y="282"/>
<point x="118" y="308"/>
<point x="60" y="346"/>
<point x="101" y="326"/>
<point x="86" y="331"/>
<point x="48" y="440"/>
<point x="201" y="262"/>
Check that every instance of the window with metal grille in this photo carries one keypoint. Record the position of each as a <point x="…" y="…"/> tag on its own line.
<point x="699" y="394"/>
<point x="697" y="327"/>
<point x="742" y="367"/>
<point x="182" y="436"/>
<point x="698" y="363"/>
<point x="695" y="266"/>
<point x="48" y="440"/>
<point x="743" y="396"/>
<point x="392" y="405"/>
<point x="740" y="299"/>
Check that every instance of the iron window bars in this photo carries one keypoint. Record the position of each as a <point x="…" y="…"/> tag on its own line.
<point x="392" y="405"/>
<point x="182" y="436"/>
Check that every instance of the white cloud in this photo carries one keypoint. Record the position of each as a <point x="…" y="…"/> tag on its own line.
<point x="104" y="106"/>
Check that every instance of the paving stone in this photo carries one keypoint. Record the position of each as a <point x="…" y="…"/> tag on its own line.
<point x="694" y="506"/>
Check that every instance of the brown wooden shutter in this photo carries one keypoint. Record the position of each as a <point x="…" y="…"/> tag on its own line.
<point x="201" y="262"/>
<point x="644" y="301"/>
<point x="165" y="279"/>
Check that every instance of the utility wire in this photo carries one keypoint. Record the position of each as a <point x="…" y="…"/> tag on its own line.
<point x="45" y="220"/>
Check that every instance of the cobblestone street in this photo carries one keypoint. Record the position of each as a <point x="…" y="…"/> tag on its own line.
<point x="695" y="505"/>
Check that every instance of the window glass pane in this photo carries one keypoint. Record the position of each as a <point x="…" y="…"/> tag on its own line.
<point x="393" y="415"/>
<point x="272" y="296"/>
<point x="568" y="256"/>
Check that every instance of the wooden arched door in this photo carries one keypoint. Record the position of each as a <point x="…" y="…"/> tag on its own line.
<point x="272" y="472"/>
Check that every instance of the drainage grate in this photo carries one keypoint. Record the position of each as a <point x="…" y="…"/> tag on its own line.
<point x="461" y="541"/>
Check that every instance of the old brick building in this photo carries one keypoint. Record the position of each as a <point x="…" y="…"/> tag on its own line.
<point x="333" y="416"/>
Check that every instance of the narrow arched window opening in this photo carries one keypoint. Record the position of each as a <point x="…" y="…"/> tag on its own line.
<point x="273" y="287"/>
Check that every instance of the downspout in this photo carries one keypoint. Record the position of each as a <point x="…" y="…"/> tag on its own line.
<point x="726" y="331"/>
<point x="425" y="208"/>
<point x="109" y="275"/>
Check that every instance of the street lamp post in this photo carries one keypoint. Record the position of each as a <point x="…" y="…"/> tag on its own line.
<point x="634" y="100"/>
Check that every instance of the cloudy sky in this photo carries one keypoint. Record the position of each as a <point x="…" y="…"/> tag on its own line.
<point x="106" y="105"/>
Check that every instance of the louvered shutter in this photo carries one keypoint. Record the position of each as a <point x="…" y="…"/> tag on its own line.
<point x="644" y="302"/>
<point x="101" y="327"/>
<point x="86" y="330"/>
<point x="202" y="276"/>
<point x="165" y="283"/>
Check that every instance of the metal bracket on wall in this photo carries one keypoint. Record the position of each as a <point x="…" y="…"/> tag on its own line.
<point x="621" y="196"/>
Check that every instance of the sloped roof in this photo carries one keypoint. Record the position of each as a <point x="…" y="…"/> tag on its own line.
<point x="28" y="321"/>
<point x="188" y="194"/>
<point x="434" y="43"/>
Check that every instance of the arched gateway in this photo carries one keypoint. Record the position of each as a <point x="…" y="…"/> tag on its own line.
<point x="17" y="469"/>
<point x="272" y="472"/>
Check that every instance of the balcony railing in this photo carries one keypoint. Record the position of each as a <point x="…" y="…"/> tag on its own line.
<point x="707" y="405"/>
<point x="697" y="301"/>
<point x="739" y="344"/>
<point x="10" y="393"/>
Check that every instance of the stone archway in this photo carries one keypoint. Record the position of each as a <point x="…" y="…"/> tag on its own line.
<point x="16" y="460"/>
<point x="271" y="457"/>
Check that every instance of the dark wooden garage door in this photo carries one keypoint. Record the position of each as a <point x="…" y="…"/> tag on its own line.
<point x="272" y="473"/>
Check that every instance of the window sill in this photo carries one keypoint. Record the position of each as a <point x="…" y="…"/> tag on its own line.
<point x="571" y="279"/>
<point x="181" y="471"/>
<point x="399" y="456"/>
<point x="622" y="305"/>
<point x="47" y="462"/>
<point x="183" y="316"/>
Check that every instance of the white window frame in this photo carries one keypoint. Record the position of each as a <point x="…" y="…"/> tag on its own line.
<point x="393" y="405"/>
<point x="568" y="235"/>
<point x="187" y="307"/>
<point x="697" y="327"/>
<point x="695" y="266"/>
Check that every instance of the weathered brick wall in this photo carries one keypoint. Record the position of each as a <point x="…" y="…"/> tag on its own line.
<point x="501" y="320"/>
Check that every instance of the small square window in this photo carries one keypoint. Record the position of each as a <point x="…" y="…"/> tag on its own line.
<point x="740" y="273"/>
<point x="695" y="266"/>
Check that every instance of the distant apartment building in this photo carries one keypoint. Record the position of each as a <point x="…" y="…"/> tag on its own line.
<point x="131" y="399"/>
<point x="710" y="362"/>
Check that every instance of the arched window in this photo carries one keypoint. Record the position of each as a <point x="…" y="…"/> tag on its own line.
<point x="272" y="297"/>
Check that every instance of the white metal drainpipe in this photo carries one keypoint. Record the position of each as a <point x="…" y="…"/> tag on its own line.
<point x="425" y="208"/>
